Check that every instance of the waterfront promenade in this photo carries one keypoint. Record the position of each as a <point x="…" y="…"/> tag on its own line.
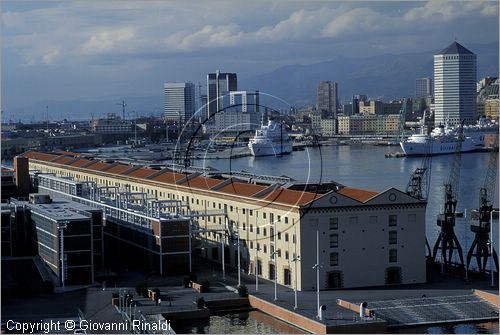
<point x="95" y="303"/>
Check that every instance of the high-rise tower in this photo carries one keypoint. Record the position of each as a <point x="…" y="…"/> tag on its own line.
<point x="218" y="85"/>
<point x="179" y="101"/>
<point x="455" y="85"/>
<point x="327" y="98"/>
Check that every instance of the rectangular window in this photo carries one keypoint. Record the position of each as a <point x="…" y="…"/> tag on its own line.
<point x="265" y="248"/>
<point x="393" y="255"/>
<point x="244" y="211"/>
<point x="334" y="223"/>
<point x="286" y="255"/>
<point x="264" y="215"/>
<point x="393" y="237"/>
<point x="279" y="235"/>
<point x="265" y="232"/>
<point x="334" y="240"/>
<point x="286" y="219"/>
<point x="334" y="259"/>
<point x="251" y="212"/>
<point x="286" y="237"/>
<point x="293" y="238"/>
<point x="393" y="220"/>
<point x="251" y="228"/>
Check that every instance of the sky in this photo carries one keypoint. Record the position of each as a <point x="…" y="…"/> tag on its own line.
<point x="67" y="50"/>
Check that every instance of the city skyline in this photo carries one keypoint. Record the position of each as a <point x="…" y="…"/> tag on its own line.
<point x="129" y="49"/>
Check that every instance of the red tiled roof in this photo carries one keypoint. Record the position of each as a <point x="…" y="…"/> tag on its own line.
<point x="168" y="177"/>
<point x="291" y="197"/>
<point x="80" y="162"/>
<point x="98" y="166"/>
<point x="118" y="169"/>
<point x="357" y="194"/>
<point x="65" y="152"/>
<point x="202" y="182"/>
<point x="141" y="173"/>
<point x="40" y="156"/>
<point x="242" y="189"/>
<point x="63" y="160"/>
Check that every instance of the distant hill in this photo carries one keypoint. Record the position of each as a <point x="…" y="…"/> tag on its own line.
<point x="386" y="76"/>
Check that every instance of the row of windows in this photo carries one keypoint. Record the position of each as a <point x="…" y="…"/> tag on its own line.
<point x="393" y="220"/>
<point x="334" y="239"/>
<point x="334" y="257"/>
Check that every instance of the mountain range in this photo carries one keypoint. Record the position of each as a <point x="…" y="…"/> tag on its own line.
<point x="386" y="77"/>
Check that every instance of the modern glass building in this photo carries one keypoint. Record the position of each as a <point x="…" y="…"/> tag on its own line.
<point x="455" y="85"/>
<point x="179" y="101"/>
<point x="423" y="87"/>
<point x="327" y="98"/>
<point x="218" y="85"/>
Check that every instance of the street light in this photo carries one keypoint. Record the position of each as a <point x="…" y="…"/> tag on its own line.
<point x="317" y="266"/>
<point x="295" y="259"/>
<point x="491" y="247"/>
<point x="275" y="265"/>
<point x="256" y="257"/>
<point x="239" y="261"/>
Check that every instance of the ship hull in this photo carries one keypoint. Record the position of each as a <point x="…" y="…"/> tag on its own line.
<point x="438" y="148"/>
<point x="269" y="149"/>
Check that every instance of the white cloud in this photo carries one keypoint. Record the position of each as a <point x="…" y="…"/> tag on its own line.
<point x="80" y="32"/>
<point x="107" y="40"/>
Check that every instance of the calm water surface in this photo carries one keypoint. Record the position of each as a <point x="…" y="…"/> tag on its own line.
<point x="365" y="166"/>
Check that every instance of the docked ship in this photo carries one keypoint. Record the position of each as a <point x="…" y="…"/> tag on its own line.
<point x="441" y="140"/>
<point x="270" y="140"/>
<point x="478" y="131"/>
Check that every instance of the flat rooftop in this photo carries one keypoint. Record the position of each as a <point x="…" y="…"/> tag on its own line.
<point x="60" y="209"/>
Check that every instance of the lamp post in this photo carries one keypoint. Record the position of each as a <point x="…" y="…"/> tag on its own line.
<point x="295" y="260"/>
<point x="465" y="238"/>
<point x="491" y="248"/>
<point x="239" y="257"/>
<point x="317" y="266"/>
<point x="256" y="257"/>
<point x="223" y="267"/>
<point x="275" y="265"/>
<point x="189" y="247"/>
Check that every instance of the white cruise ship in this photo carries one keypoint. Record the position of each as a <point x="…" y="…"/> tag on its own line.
<point x="270" y="140"/>
<point x="443" y="141"/>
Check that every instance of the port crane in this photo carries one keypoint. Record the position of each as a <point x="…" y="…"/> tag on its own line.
<point x="447" y="241"/>
<point x="401" y="124"/>
<point x="480" y="246"/>
<point x="419" y="182"/>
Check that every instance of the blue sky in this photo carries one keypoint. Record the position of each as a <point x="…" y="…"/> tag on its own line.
<point x="91" y="49"/>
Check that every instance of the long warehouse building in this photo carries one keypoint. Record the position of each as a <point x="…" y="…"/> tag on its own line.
<point x="365" y="238"/>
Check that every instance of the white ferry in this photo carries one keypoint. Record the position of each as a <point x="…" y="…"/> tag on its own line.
<point x="270" y="140"/>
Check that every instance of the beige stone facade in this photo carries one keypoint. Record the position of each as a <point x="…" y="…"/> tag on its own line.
<point x="365" y="238"/>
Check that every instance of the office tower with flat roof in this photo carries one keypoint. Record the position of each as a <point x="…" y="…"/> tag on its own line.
<point x="218" y="85"/>
<point x="454" y="85"/>
<point x="327" y="98"/>
<point x="179" y="101"/>
<point x="423" y="87"/>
